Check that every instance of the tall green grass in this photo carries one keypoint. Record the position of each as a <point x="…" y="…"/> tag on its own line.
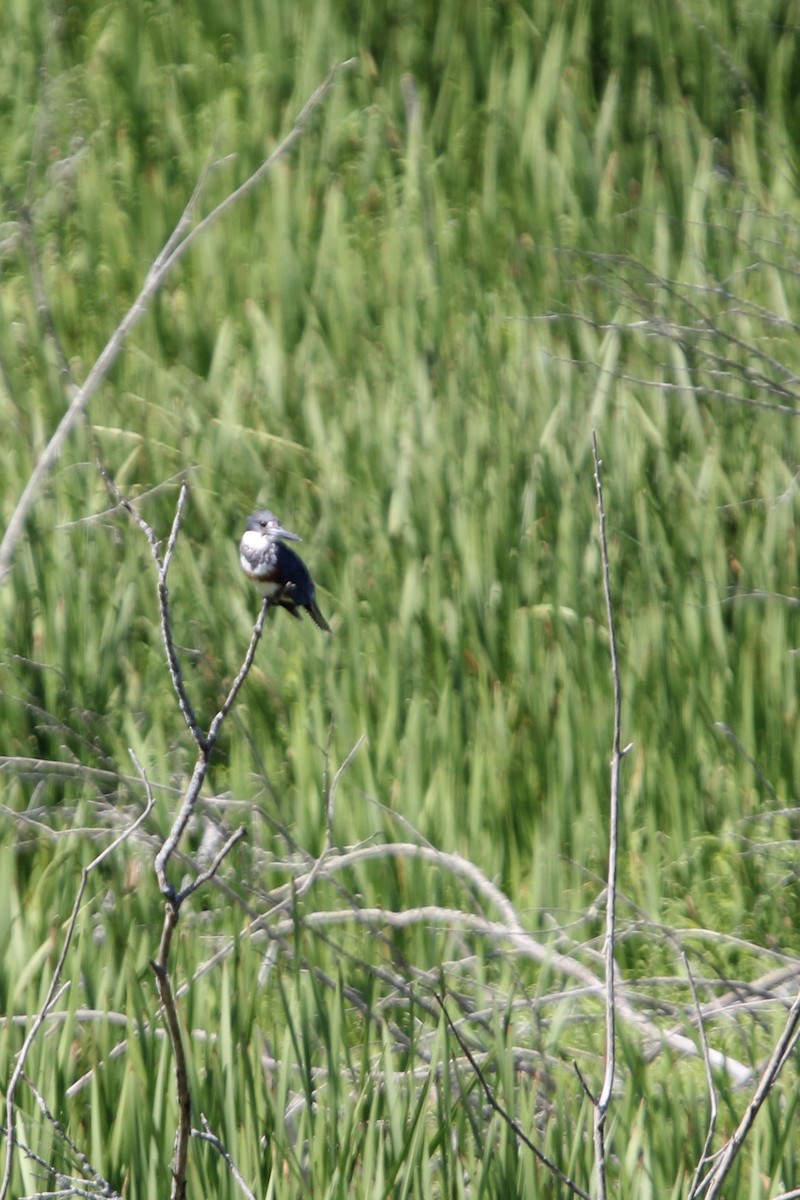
<point x="401" y="343"/>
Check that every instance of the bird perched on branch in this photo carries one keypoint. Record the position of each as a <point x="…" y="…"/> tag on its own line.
<point x="279" y="574"/>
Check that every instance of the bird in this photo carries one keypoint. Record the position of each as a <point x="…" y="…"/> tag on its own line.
<point x="280" y="575"/>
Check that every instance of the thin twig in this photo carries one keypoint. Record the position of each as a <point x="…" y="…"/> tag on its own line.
<point x="183" y="1130"/>
<point x="712" y="1093"/>
<point x="176" y="674"/>
<point x="99" y="518"/>
<point x="299" y="888"/>
<point x="210" y="871"/>
<point x="100" y="1186"/>
<point x="712" y="1183"/>
<point x="205" y="749"/>
<point x="205" y="1135"/>
<point x="162" y="566"/>
<point x="244" y="671"/>
<point x="604" y="1099"/>
<point x="503" y="1113"/>
<point x="330" y="805"/>
<point x="582" y="1081"/>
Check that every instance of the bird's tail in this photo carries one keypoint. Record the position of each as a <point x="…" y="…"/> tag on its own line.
<point x="317" y="617"/>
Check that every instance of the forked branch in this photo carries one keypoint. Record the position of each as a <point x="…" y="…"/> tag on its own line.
<point x="710" y="1186"/>
<point x="206" y="744"/>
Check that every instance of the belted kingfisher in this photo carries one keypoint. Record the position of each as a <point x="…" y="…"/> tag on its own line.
<point x="278" y="573"/>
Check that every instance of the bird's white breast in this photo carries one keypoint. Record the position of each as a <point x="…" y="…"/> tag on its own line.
<point x="250" y="551"/>
<point x="251" y="543"/>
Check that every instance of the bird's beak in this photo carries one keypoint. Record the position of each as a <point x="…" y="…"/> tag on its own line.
<point x="285" y="533"/>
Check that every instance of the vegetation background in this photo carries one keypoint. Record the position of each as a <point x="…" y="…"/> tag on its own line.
<point x="508" y="224"/>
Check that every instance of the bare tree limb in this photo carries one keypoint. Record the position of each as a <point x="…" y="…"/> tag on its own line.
<point x="160" y="967"/>
<point x="205" y="1135"/>
<point x="712" y="1094"/>
<point x="617" y="754"/>
<point x="205" y="745"/>
<point x="712" y="1183"/>
<point x="99" y="1186"/>
<point x="214" y="866"/>
<point x="163" y="565"/>
<point x="495" y="1104"/>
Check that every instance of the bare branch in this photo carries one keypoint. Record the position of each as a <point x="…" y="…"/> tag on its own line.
<point x="495" y="1104"/>
<point x="244" y="671"/>
<point x="604" y="1099"/>
<point x="99" y="1186"/>
<point x="712" y="1094"/>
<point x="175" y="671"/>
<point x="175" y="899"/>
<point x="211" y="870"/>
<point x="508" y="932"/>
<point x="587" y="1090"/>
<point x="162" y="566"/>
<point x="330" y="806"/>
<point x="183" y="1130"/>
<point x="205" y="1135"/>
<point x="205" y="747"/>
<point x="711" y="1185"/>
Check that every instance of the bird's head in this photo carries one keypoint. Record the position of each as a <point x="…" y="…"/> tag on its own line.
<point x="267" y="524"/>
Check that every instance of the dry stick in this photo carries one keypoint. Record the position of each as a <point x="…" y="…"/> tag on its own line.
<point x="176" y="899"/>
<point x="166" y="628"/>
<point x="160" y="967"/>
<point x="101" y="517"/>
<point x="711" y="1185"/>
<point x="508" y="929"/>
<point x="495" y="1104"/>
<point x="330" y="793"/>
<point x="604" y="1099"/>
<point x="174" y="249"/>
<point x="206" y="1135"/>
<point x="210" y="871"/>
<point x="206" y="744"/>
<point x="331" y="805"/>
<point x="712" y="1094"/>
<point x="298" y="891"/>
<point x="99" y="1186"/>
<point x="55" y="991"/>
<point x="162" y="566"/>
